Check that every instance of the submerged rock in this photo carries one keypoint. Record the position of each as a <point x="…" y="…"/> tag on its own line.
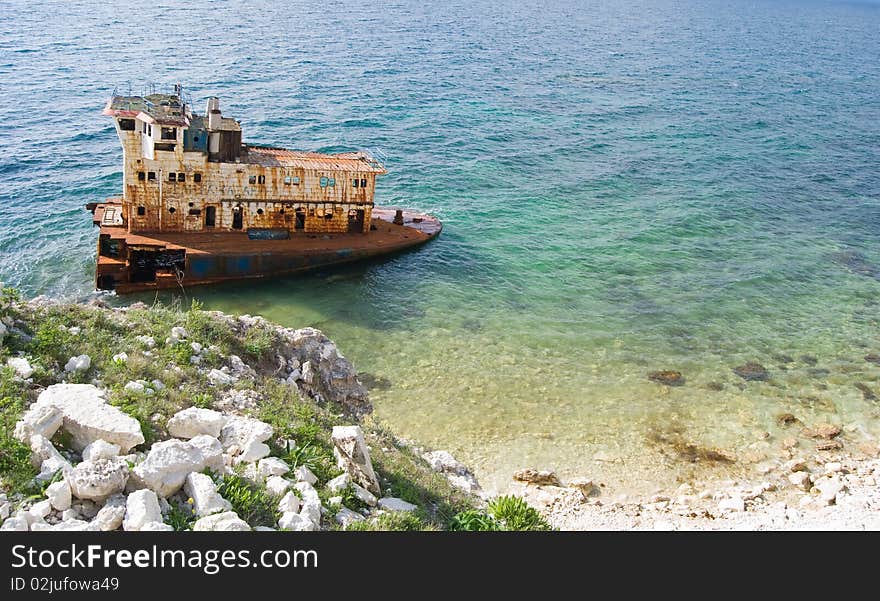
<point x="752" y="371"/>
<point x="715" y="386"/>
<point x="786" y="419"/>
<point x="825" y="431"/>
<point x="867" y="393"/>
<point x="667" y="377"/>
<point x="873" y="358"/>
<point x="537" y="477"/>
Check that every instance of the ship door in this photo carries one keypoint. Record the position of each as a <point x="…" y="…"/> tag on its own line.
<point x="210" y="216"/>
<point x="300" y="219"/>
<point x="356" y="220"/>
<point x="237" y="220"/>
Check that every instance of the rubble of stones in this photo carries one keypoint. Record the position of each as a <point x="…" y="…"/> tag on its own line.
<point x="104" y="478"/>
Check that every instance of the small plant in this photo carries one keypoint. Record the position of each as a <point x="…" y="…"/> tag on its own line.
<point x="252" y="503"/>
<point x="181" y="517"/>
<point x="400" y="521"/>
<point x="474" y="521"/>
<point x="202" y="400"/>
<point x="515" y="514"/>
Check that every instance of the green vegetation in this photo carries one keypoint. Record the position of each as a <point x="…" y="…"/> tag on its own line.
<point x="503" y="513"/>
<point x="181" y="517"/>
<point x="251" y="502"/>
<point x="395" y="521"/>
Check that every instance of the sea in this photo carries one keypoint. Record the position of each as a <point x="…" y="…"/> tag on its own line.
<point x="626" y="186"/>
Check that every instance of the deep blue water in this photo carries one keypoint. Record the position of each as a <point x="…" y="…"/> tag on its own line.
<point x="625" y="186"/>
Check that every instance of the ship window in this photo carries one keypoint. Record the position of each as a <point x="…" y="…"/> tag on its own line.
<point x="151" y="176"/>
<point x="363" y="183"/>
<point x="328" y="215"/>
<point x="172" y="177"/>
<point x="331" y="182"/>
<point x="169" y="133"/>
<point x="324" y="182"/>
<point x="142" y="211"/>
<point x="287" y="180"/>
<point x="296" y="181"/>
<point x="141" y="176"/>
<point x="252" y="179"/>
<point x="197" y="177"/>
<point x="261" y="179"/>
<point x="195" y="211"/>
<point x="126" y="124"/>
<point x="149" y="130"/>
<point x="181" y="177"/>
<point x="355" y="183"/>
<point x="259" y="211"/>
<point x="172" y="210"/>
<point x="281" y="211"/>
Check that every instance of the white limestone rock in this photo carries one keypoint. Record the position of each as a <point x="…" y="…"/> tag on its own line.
<point x="141" y="507"/>
<point x="147" y="341"/>
<point x="364" y="495"/>
<point x="339" y="483"/>
<point x="395" y="504"/>
<point x="41" y="509"/>
<point x="311" y="503"/>
<point x="38" y="419"/>
<point x="289" y="503"/>
<point x="219" y="377"/>
<point x="59" y="495"/>
<point x="211" y="450"/>
<point x="110" y="516"/>
<point x="304" y="474"/>
<point x="734" y="503"/>
<point x="45" y="456"/>
<point x="78" y="363"/>
<point x="72" y="525"/>
<point x="15" y="524"/>
<point x="353" y="456"/>
<point x="3" y="331"/>
<point x="157" y="527"/>
<point x="253" y="451"/>
<point x="21" y="367"/>
<point x="97" y="480"/>
<point x="206" y="500"/>
<point x="295" y="522"/>
<point x="272" y="466"/>
<point x="100" y="449"/>
<point x="830" y="488"/>
<point x="277" y="486"/>
<point x="88" y="417"/>
<point x="120" y="358"/>
<point x="195" y="421"/>
<point x="239" y="431"/>
<point x="345" y="516"/>
<point x="177" y="334"/>
<point x="225" y="521"/>
<point x="136" y="387"/>
<point x="800" y="480"/>
<point x="167" y="465"/>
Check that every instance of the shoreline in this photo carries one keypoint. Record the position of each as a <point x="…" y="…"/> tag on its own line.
<point x="817" y="486"/>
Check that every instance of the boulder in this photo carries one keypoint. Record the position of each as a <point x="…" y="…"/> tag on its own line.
<point x="21" y="367"/>
<point x="206" y="500"/>
<point x="157" y="527"/>
<point x="253" y="451"/>
<point x="829" y="487"/>
<point x="584" y="485"/>
<point x="325" y="374"/>
<point x="537" y="477"/>
<point x="364" y="495"/>
<point x="311" y="503"/>
<point x="272" y="466"/>
<point x="39" y="419"/>
<point x="147" y="341"/>
<point x="71" y="525"/>
<point x="120" y="358"/>
<point x="458" y="474"/>
<point x="295" y="522"/>
<point x="353" y="456"/>
<point x="800" y="480"/>
<point x="277" y="486"/>
<point x="167" y="465"/>
<point x="45" y="456"/>
<point x="212" y="451"/>
<point x="40" y="509"/>
<point x="88" y="417"/>
<point x="226" y="521"/>
<point x="78" y="363"/>
<point x="823" y="431"/>
<point x="100" y="449"/>
<point x="289" y="503"/>
<point x="15" y="524"/>
<point x="395" y="504"/>
<point x="110" y="516"/>
<point x="239" y="431"/>
<point x="219" y="377"/>
<point x="339" y="483"/>
<point x="97" y="480"/>
<point x="59" y="495"/>
<point x="346" y="516"/>
<point x="194" y="421"/>
<point x="177" y="334"/>
<point x="304" y="474"/>
<point x="141" y="507"/>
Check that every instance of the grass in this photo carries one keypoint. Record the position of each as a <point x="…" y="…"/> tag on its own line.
<point x="48" y="343"/>
<point x="503" y="513"/>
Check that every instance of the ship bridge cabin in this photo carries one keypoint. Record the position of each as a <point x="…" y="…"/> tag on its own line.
<point x="192" y="173"/>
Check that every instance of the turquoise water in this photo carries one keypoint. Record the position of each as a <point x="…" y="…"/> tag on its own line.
<point x="625" y="187"/>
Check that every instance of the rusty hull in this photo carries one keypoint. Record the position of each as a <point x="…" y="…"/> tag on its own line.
<point x="205" y="258"/>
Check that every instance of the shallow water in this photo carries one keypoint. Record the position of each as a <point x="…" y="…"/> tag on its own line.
<point x="625" y="187"/>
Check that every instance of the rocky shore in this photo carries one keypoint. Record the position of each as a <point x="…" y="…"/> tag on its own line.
<point x="155" y="418"/>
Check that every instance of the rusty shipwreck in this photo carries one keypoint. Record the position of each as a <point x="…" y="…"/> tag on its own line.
<point x="199" y="206"/>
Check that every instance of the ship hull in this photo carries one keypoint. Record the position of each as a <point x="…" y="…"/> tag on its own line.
<point x="154" y="261"/>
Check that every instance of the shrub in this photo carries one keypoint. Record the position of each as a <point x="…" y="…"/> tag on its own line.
<point x="515" y="514"/>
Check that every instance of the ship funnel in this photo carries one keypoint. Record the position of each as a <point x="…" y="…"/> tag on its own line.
<point x="213" y="113"/>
